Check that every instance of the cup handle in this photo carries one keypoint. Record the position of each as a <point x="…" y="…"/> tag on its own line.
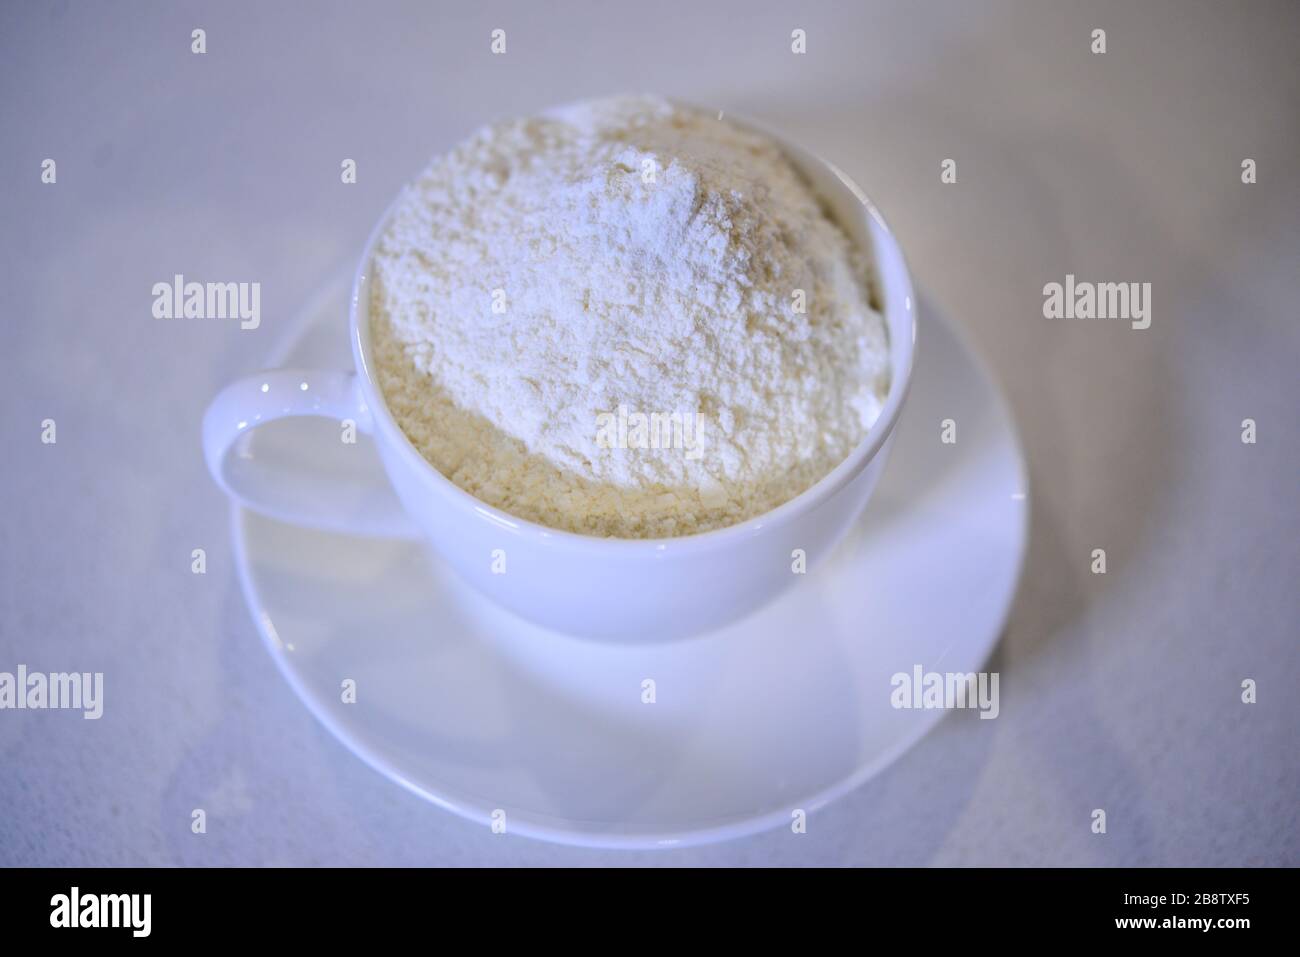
<point x="351" y="503"/>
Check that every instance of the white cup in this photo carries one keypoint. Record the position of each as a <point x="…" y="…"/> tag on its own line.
<point x="616" y="589"/>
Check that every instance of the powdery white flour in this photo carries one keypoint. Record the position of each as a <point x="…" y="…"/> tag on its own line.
<point x="553" y="280"/>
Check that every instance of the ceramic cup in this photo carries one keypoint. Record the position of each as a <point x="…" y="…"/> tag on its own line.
<point x="614" y="589"/>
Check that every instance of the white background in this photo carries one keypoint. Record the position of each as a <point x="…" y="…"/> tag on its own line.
<point x="1119" y="691"/>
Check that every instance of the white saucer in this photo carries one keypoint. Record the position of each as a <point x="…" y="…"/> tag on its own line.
<point x="789" y="709"/>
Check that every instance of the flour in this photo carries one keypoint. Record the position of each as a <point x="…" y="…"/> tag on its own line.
<point x="626" y="319"/>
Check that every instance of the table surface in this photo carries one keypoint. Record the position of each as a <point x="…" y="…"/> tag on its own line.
<point x="1122" y="691"/>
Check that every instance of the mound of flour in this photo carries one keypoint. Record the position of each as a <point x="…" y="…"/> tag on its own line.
<point x="625" y="319"/>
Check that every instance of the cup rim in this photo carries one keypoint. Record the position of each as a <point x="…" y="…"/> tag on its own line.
<point x="898" y="321"/>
